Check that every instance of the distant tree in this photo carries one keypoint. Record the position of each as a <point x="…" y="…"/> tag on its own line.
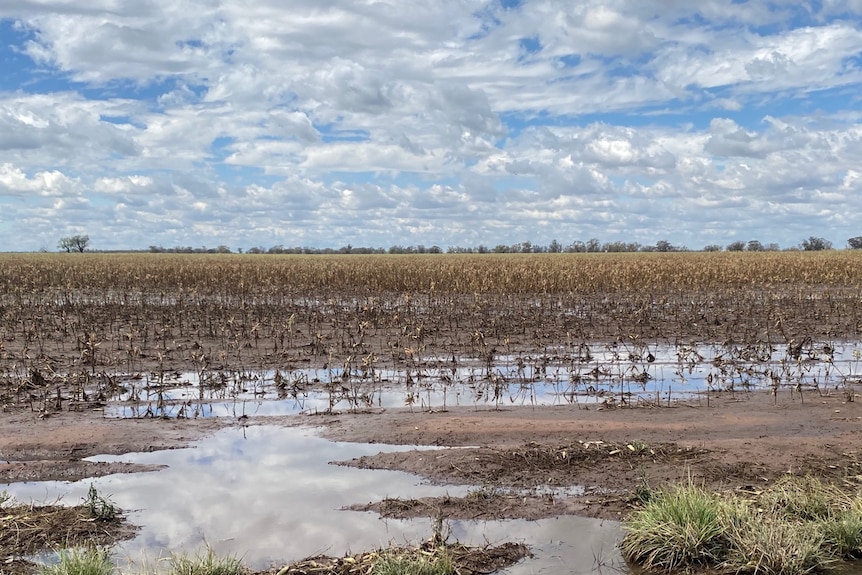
<point x="620" y="246"/>
<point x="435" y="250"/>
<point x="222" y="249"/>
<point x="814" y="244"/>
<point x="555" y="247"/>
<point x="736" y="246"/>
<point x="855" y="243"/>
<point x="77" y="243"/>
<point x="594" y="245"/>
<point x="664" y="246"/>
<point x="772" y="247"/>
<point x="712" y="248"/>
<point x="754" y="246"/>
<point x="577" y="247"/>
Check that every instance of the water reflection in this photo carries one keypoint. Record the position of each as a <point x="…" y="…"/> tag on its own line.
<point x="268" y="494"/>
<point x="633" y="374"/>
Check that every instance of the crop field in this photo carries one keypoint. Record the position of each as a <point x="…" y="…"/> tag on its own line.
<point x="571" y="384"/>
<point x="82" y="328"/>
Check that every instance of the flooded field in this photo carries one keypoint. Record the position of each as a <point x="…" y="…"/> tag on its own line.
<point x="552" y="388"/>
<point x="271" y="495"/>
<point x="598" y="374"/>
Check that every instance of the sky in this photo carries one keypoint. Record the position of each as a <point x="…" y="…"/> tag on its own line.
<point x="324" y="123"/>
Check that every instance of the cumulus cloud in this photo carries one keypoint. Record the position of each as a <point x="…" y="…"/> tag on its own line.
<point x="454" y="122"/>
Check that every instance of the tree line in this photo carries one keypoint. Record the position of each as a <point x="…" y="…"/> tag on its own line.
<point x="81" y="243"/>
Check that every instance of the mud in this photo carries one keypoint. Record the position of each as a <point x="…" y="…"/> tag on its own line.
<point x="728" y="443"/>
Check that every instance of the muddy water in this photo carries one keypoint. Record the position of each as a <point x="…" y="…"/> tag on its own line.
<point x="270" y="495"/>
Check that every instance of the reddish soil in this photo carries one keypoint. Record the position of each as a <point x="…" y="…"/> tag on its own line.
<point x="741" y="441"/>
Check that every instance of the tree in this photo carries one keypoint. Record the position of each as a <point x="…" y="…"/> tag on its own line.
<point x="712" y="248"/>
<point x="736" y="246"/>
<point x="855" y="243"/>
<point x="754" y="246"/>
<point x="77" y="243"/>
<point x="594" y="245"/>
<point x="555" y="247"/>
<point x="814" y="244"/>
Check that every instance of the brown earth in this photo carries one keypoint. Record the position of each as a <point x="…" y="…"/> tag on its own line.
<point x="744" y="440"/>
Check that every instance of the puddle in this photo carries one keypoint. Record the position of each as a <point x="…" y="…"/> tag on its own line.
<point x="586" y="374"/>
<point x="269" y="494"/>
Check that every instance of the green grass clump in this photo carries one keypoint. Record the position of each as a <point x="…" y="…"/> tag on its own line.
<point x="802" y="498"/>
<point x="207" y="563"/>
<point x="414" y="564"/>
<point x="798" y="526"/>
<point x="678" y="527"/>
<point x="91" y="561"/>
<point x="843" y="534"/>
<point x="768" y="545"/>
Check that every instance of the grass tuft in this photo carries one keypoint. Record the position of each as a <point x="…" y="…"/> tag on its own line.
<point x="207" y="563"/>
<point x="769" y="545"/>
<point x="798" y="526"/>
<point x="679" y="526"/>
<point x="842" y="533"/>
<point x="93" y="561"/>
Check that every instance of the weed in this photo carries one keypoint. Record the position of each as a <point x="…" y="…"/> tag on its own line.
<point x="803" y="498"/>
<point x="206" y="563"/>
<point x="798" y="526"/>
<point x="842" y="533"/>
<point x="439" y="563"/>
<point x="643" y="491"/>
<point x="768" y="545"/>
<point x="679" y="526"/>
<point x="92" y="561"/>
<point x="101" y="508"/>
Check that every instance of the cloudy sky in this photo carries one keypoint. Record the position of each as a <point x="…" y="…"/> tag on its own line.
<point x="448" y="122"/>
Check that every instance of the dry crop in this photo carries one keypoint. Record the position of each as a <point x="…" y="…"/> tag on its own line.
<point x="82" y="328"/>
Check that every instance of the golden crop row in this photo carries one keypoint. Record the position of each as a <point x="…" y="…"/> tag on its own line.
<point x="319" y="276"/>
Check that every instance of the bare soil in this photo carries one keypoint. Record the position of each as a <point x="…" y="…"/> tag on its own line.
<point x="730" y="442"/>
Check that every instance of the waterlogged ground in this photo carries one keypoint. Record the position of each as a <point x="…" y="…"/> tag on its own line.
<point x="608" y="374"/>
<point x="271" y="495"/>
<point x="545" y="449"/>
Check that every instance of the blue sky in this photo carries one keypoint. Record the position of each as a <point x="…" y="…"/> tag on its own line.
<point x="446" y="122"/>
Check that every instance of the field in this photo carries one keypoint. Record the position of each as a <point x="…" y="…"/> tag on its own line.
<point x="603" y="370"/>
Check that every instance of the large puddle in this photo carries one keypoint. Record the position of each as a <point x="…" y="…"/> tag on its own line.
<point x="628" y="374"/>
<point x="270" y="495"/>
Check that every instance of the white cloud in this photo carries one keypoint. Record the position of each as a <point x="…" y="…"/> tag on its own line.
<point x="386" y="122"/>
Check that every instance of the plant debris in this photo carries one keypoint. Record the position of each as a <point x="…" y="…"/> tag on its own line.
<point x="467" y="560"/>
<point x="27" y="529"/>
